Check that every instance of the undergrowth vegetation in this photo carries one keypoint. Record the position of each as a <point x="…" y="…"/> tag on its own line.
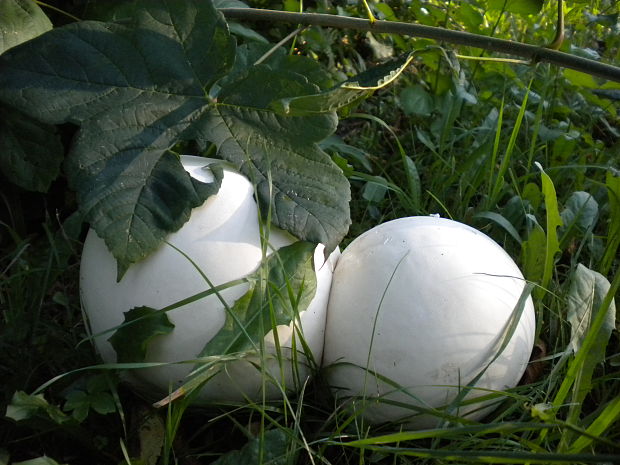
<point x="528" y="153"/>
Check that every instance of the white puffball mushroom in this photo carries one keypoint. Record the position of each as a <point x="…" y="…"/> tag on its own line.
<point x="222" y="238"/>
<point x="423" y="302"/>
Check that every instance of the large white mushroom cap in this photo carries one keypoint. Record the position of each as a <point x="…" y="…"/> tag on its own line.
<point x="423" y="302"/>
<point x="222" y="237"/>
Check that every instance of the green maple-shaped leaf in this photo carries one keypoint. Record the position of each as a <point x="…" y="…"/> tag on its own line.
<point x="141" y="325"/>
<point x="138" y="89"/>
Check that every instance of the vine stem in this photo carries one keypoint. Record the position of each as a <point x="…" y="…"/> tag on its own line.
<point x="534" y="53"/>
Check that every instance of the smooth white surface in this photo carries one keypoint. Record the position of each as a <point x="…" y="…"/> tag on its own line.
<point x="423" y="301"/>
<point x="222" y="237"/>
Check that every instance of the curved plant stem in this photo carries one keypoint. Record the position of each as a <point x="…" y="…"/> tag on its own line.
<point x="556" y="43"/>
<point x="534" y="53"/>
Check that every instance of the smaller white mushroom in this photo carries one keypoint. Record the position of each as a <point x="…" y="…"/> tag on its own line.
<point x="222" y="238"/>
<point x="423" y="302"/>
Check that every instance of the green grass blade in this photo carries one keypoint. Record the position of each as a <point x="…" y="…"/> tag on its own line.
<point x="613" y="234"/>
<point x="609" y="415"/>
<point x="501" y="221"/>
<point x="505" y="163"/>
<point x="455" y="432"/>
<point x="554" y="221"/>
<point x="492" y="456"/>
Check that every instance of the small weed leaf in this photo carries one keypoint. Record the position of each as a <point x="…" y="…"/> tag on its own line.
<point x="141" y="325"/>
<point x="271" y="447"/>
<point x="26" y="407"/>
<point x="95" y="395"/>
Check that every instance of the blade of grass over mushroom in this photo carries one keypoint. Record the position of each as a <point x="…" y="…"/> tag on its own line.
<point x="250" y="318"/>
<point x="498" y="347"/>
<point x="289" y="266"/>
<point x="213" y="290"/>
<point x="346" y="92"/>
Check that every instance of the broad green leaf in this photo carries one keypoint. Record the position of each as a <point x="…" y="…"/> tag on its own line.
<point x="25" y="407"/>
<point x="31" y="152"/>
<point x="134" y="90"/>
<point x="521" y="7"/>
<point x="138" y="88"/>
<point x="533" y="255"/>
<point x="579" y="215"/>
<point x="414" y="100"/>
<point x="581" y="79"/>
<point x="287" y="290"/>
<point x="272" y="447"/>
<point x="586" y="293"/>
<point x="586" y="297"/>
<point x="304" y="191"/>
<point x="346" y="92"/>
<point x="20" y="20"/>
<point x="470" y="16"/>
<point x="278" y="60"/>
<point x="276" y="84"/>
<point x="140" y="326"/>
<point x="606" y="20"/>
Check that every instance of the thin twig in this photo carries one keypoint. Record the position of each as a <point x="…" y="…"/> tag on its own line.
<point x="534" y="53"/>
